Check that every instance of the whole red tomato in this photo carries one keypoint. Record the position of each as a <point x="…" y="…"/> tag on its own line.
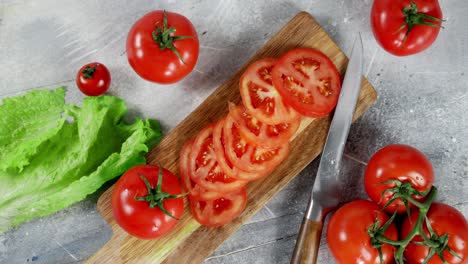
<point x="405" y="27"/>
<point x="146" y="201"/>
<point x="404" y="164"/>
<point x="347" y="235"/>
<point x="162" y="47"/>
<point x="93" y="79"/>
<point x="443" y="219"/>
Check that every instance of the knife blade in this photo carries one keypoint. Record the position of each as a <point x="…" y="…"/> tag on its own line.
<point x="326" y="191"/>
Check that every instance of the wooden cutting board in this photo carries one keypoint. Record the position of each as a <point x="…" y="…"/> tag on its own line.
<point x="190" y="242"/>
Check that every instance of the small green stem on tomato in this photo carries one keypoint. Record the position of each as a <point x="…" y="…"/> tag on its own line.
<point x="156" y="196"/>
<point x="88" y="72"/>
<point x="413" y="17"/>
<point x="162" y="37"/>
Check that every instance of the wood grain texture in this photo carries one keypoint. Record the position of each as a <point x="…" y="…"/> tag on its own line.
<point x="308" y="242"/>
<point x="189" y="242"/>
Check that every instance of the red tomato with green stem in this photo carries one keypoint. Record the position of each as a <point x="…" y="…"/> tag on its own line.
<point x="162" y="47"/>
<point x="348" y="234"/>
<point x="93" y="79"/>
<point x="146" y="201"/>
<point x="405" y="27"/>
<point x="397" y="175"/>
<point x="446" y="232"/>
<point x="308" y="81"/>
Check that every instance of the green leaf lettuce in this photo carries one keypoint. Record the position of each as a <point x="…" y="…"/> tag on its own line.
<point x="53" y="154"/>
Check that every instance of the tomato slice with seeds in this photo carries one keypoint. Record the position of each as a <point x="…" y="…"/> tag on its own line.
<point x="224" y="163"/>
<point x="194" y="189"/>
<point x="249" y="157"/>
<point x="308" y="81"/>
<point x="260" y="97"/>
<point x="220" y="211"/>
<point x="205" y="169"/>
<point x="258" y="133"/>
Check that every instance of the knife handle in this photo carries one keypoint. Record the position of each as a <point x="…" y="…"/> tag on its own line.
<point x="308" y="241"/>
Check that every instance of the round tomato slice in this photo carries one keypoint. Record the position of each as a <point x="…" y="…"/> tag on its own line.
<point x="205" y="169"/>
<point x="188" y="184"/>
<point x="259" y="96"/>
<point x="249" y="157"/>
<point x="224" y="163"/>
<point x="308" y="81"/>
<point x="258" y="133"/>
<point x="220" y="211"/>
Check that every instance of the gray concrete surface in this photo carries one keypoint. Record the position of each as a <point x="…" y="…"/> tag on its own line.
<point x="422" y="102"/>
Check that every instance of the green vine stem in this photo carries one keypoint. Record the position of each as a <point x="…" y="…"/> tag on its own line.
<point x="413" y="17"/>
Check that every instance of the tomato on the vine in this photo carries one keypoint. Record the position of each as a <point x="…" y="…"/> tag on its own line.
<point x="405" y="27"/>
<point x="398" y="173"/>
<point x="450" y="232"/>
<point x="347" y="235"/>
<point x="308" y="81"/>
<point x="146" y="201"/>
<point x="93" y="79"/>
<point x="162" y="47"/>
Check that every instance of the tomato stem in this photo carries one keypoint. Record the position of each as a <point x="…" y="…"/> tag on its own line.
<point x="162" y="36"/>
<point x="156" y="196"/>
<point x="413" y="17"/>
<point x="88" y="71"/>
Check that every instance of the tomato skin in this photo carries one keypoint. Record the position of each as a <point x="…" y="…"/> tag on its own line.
<point x="387" y="17"/>
<point x="156" y="65"/>
<point x="136" y="217"/>
<point x="220" y="211"/>
<point x="444" y="219"/>
<point x="348" y="239"/>
<point x="308" y="81"/>
<point x="97" y="84"/>
<point x="397" y="162"/>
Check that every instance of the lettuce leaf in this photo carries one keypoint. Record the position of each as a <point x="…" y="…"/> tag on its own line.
<point x="79" y="149"/>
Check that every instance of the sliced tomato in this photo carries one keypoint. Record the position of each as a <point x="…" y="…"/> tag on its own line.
<point x="259" y="96"/>
<point x="188" y="184"/>
<point x="205" y="169"/>
<point x="224" y="163"/>
<point x="249" y="157"/>
<point x="261" y="134"/>
<point x="308" y="81"/>
<point x="220" y="211"/>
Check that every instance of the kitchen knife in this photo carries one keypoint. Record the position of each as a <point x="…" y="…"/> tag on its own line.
<point x="326" y="191"/>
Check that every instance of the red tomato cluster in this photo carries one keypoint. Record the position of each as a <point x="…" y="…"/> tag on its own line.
<point x="254" y="137"/>
<point x="398" y="178"/>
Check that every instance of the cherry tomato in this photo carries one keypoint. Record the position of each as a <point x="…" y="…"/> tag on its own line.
<point x="162" y="50"/>
<point x="93" y="79"/>
<point x="401" y="26"/>
<point x="190" y="186"/>
<point x="347" y="235"/>
<point x="140" y="213"/>
<point x="308" y="81"/>
<point x="204" y="167"/>
<point x="248" y="157"/>
<point x="259" y="96"/>
<point x="220" y="211"/>
<point x="260" y="134"/>
<point x="223" y="161"/>
<point x="443" y="219"/>
<point x="397" y="162"/>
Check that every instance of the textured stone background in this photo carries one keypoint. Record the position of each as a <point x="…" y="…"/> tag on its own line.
<point x="422" y="102"/>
